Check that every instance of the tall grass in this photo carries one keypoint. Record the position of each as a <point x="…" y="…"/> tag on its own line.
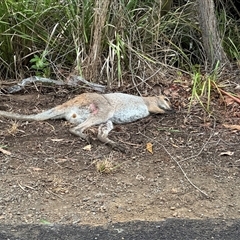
<point x="32" y="28"/>
<point x="230" y="30"/>
<point x="58" y="37"/>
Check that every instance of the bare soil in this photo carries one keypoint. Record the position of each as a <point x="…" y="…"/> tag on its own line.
<point x="50" y="177"/>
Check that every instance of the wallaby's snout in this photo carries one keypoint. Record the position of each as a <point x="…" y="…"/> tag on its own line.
<point x="171" y="110"/>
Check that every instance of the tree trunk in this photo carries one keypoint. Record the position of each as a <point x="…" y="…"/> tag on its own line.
<point x="94" y="60"/>
<point x="211" y="40"/>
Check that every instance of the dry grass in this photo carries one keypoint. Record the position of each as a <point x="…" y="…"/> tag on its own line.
<point x="105" y="166"/>
<point x="13" y="130"/>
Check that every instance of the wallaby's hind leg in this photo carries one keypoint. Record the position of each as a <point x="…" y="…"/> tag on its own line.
<point x="79" y="133"/>
<point x="91" y="121"/>
<point x="103" y="131"/>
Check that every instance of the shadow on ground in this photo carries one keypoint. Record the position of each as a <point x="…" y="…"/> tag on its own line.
<point x="169" y="229"/>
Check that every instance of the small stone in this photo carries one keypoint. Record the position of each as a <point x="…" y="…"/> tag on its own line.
<point x="86" y="199"/>
<point x="98" y="195"/>
<point x="175" y="214"/>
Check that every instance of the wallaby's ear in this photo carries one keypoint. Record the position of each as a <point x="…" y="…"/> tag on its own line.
<point x="157" y="89"/>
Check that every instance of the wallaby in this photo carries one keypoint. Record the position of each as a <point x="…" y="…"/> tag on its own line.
<point x="89" y="109"/>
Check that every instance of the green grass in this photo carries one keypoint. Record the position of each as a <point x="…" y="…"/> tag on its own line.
<point x="135" y="37"/>
<point x="202" y="86"/>
<point x="54" y="38"/>
<point x="230" y="31"/>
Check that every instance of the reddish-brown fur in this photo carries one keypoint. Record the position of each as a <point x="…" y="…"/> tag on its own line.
<point x="89" y="109"/>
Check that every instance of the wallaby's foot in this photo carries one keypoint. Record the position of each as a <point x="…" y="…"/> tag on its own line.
<point x="80" y="134"/>
<point x="103" y="132"/>
<point x="86" y="137"/>
<point x="76" y="133"/>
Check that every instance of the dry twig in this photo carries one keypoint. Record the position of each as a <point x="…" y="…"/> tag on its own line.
<point x="185" y="159"/>
<point x="229" y="95"/>
<point x="174" y="159"/>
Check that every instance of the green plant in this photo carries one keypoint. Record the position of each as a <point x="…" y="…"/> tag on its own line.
<point x="234" y="50"/>
<point x="134" y="37"/>
<point x="3" y="146"/>
<point x="45" y="222"/>
<point x="55" y="37"/>
<point x="116" y="51"/>
<point x="41" y="64"/>
<point x="202" y="86"/>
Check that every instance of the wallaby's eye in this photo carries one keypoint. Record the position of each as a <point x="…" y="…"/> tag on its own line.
<point x="166" y="99"/>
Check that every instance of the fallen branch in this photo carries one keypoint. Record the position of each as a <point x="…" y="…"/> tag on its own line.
<point x="229" y="95"/>
<point x="232" y="127"/>
<point x="98" y="87"/>
<point x="73" y="82"/>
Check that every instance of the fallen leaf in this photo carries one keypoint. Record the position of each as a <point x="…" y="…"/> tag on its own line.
<point x="87" y="147"/>
<point x="227" y="153"/>
<point x="149" y="147"/>
<point x="45" y="222"/>
<point x="5" y="151"/>
<point x="228" y="100"/>
<point x="174" y="94"/>
<point x="233" y="127"/>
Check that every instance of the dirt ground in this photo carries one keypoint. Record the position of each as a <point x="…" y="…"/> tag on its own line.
<point x="51" y="176"/>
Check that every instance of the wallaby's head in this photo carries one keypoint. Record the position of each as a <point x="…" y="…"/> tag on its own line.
<point x="164" y="103"/>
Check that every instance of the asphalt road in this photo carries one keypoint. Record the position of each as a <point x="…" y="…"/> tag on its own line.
<point x="169" y="229"/>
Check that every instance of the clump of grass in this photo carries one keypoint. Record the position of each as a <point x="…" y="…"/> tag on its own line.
<point x="230" y="32"/>
<point x="13" y="129"/>
<point x="105" y="166"/>
<point x="203" y="85"/>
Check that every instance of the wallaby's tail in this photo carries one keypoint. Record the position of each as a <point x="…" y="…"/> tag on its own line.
<point x="48" y="114"/>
